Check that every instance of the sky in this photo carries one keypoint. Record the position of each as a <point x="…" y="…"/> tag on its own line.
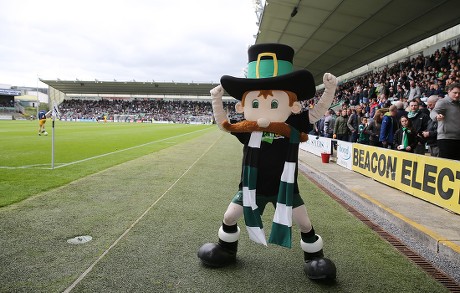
<point x="124" y="40"/>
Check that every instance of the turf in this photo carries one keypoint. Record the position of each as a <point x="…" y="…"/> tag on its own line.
<point x="184" y="190"/>
<point x="80" y="149"/>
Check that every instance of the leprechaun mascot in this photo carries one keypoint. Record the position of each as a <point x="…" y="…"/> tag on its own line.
<point x="273" y="127"/>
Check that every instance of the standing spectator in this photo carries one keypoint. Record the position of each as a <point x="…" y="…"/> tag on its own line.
<point x="401" y="92"/>
<point x="374" y="105"/>
<point x="392" y="93"/>
<point x="414" y="90"/>
<point x="357" y="97"/>
<point x="354" y="119"/>
<point x="383" y="101"/>
<point x="374" y="127"/>
<point x="432" y="131"/>
<point x="419" y="121"/>
<point x="423" y="108"/>
<point x="363" y="133"/>
<point x="400" y="110"/>
<point x="405" y="137"/>
<point x="388" y="128"/>
<point x="434" y="90"/>
<point x="329" y="121"/>
<point x="372" y="88"/>
<point x="329" y="125"/>
<point x="318" y="127"/>
<point x="447" y="113"/>
<point x="340" y="126"/>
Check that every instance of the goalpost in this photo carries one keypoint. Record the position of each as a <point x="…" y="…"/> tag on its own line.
<point x="56" y="97"/>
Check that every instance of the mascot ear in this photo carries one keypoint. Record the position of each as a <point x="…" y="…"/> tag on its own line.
<point x="239" y="108"/>
<point x="296" y="108"/>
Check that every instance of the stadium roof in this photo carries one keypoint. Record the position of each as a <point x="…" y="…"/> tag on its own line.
<point x="131" y="87"/>
<point x="339" y="36"/>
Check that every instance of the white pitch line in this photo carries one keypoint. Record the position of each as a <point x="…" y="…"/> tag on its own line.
<point x="61" y="165"/>
<point x="90" y="268"/>
<point x="25" y="167"/>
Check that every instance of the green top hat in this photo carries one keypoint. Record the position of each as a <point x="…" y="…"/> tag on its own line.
<point x="270" y="68"/>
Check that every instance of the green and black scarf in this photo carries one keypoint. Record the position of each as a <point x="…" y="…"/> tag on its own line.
<point x="282" y="220"/>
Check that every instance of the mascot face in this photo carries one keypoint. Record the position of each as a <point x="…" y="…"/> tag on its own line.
<point x="268" y="106"/>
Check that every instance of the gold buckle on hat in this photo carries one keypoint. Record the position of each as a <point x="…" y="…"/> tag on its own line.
<point x="275" y="63"/>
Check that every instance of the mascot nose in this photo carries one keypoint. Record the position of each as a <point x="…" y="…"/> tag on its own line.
<point x="263" y="122"/>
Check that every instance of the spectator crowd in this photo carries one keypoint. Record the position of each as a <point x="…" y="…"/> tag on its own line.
<point x="138" y="110"/>
<point x="401" y="107"/>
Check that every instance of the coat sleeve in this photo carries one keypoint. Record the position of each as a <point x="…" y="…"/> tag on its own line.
<point x="383" y="129"/>
<point x="413" y="140"/>
<point x="398" y="137"/>
<point x="370" y="128"/>
<point x="438" y="109"/>
<point x="350" y="122"/>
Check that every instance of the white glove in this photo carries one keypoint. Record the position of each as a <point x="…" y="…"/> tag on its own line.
<point x="217" y="92"/>
<point x="330" y="85"/>
<point x="217" y="105"/>
<point x="330" y="82"/>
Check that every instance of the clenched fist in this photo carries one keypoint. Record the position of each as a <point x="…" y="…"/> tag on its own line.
<point x="330" y="81"/>
<point x="217" y="92"/>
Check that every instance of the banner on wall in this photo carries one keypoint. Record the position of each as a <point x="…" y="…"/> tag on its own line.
<point x="316" y="145"/>
<point x="435" y="180"/>
<point x="344" y="154"/>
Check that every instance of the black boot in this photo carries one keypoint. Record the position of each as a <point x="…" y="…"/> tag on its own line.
<point x="222" y="253"/>
<point x="316" y="266"/>
<point x="311" y="256"/>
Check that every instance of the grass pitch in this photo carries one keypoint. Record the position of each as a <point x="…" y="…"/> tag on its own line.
<point x="149" y="215"/>
<point x="80" y="149"/>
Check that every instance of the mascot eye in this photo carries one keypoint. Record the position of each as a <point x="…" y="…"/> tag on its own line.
<point x="274" y="104"/>
<point x="255" y="104"/>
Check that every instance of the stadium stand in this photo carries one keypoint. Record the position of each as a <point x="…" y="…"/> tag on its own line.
<point x="144" y="110"/>
<point x="431" y="74"/>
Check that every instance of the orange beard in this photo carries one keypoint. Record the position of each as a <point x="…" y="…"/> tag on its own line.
<point x="280" y="128"/>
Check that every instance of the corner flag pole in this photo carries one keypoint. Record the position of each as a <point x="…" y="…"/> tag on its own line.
<point x="55" y="97"/>
<point x="54" y="114"/>
<point x="52" y="140"/>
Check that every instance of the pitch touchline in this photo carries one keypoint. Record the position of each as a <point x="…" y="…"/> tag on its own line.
<point x="90" y="268"/>
<point x="122" y="150"/>
<point x="99" y="156"/>
<point x="25" y="167"/>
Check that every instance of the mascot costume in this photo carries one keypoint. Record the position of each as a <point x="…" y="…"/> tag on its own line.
<point x="273" y="127"/>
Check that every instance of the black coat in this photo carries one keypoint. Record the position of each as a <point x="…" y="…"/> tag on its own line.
<point x="419" y="124"/>
<point x="433" y="133"/>
<point x="412" y="139"/>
